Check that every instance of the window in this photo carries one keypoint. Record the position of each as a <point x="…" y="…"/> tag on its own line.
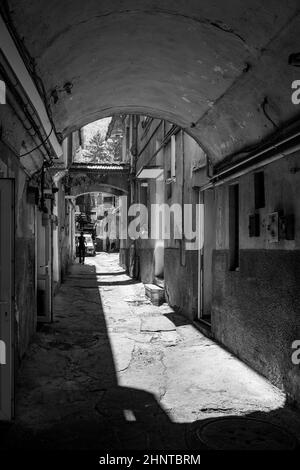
<point x="234" y="227"/>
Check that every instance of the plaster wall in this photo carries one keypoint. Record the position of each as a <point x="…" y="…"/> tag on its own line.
<point x="14" y="142"/>
<point x="25" y="252"/>
<point x="180" y="264"/>
<point x="64" y="232"/>
<point x="255" y="310"/>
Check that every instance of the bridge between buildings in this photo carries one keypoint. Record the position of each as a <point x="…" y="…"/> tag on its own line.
<point x="95" y="177"/>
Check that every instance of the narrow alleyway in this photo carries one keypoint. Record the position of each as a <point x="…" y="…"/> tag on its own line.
<point x="114" y="371"/>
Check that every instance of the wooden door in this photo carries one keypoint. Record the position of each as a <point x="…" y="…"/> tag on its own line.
<point x="6" y="300"/>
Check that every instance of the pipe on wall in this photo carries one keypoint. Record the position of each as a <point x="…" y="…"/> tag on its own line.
<point x="220" y="178"/>
<point x="25" y="113"/>
<point x="182" y="241"/>
<point x="16" y="63"/>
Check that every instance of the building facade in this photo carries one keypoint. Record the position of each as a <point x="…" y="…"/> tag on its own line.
<point x="240" y="285"/>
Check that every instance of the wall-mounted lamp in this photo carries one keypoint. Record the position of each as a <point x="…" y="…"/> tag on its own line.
<point x="67" y="88"/>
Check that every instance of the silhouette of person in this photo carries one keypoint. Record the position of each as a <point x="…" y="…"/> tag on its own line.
<point x="81" y="248"/>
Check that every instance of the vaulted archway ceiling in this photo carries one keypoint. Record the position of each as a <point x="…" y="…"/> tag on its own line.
<point x="207" y="65"/>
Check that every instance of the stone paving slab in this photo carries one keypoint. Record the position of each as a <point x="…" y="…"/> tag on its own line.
<point x="157" y="323"/>
<point x="113" y="374"/>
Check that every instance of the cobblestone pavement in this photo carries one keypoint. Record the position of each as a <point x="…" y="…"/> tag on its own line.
<point x="114" y="371"/>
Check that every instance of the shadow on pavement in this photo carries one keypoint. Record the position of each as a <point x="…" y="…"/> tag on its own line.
<point x="68" y="395"/>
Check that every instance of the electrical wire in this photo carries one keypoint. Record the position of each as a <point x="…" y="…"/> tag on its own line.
<point x="263" y="107"/>
<point x="29" y="61"/>
<point x="38" y="146"/>
<point x="14" y="152"/>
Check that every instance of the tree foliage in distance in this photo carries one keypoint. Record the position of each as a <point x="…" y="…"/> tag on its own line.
<point x="99" y="150"/>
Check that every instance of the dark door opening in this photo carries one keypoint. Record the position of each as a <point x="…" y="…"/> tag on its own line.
<point x="234" y="248"/>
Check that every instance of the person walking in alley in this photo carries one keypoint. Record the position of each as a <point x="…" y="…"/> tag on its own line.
<point x="81" y="248"/>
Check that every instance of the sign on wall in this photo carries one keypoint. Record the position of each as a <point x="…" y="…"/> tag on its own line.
<point x="2" y="92"/>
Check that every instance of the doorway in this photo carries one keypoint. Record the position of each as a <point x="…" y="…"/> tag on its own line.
<point x="44" y="267"/>
<point x="6" y="299"/>
<point x="208" y="230"/>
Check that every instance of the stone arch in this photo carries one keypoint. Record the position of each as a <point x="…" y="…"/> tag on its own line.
<point x="206" y="66"/>
<point x="95" y="181"/>
<point x="102" y="188"/>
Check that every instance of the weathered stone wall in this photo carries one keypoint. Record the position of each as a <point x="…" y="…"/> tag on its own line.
<point x="64" y="239"/>
<point x="25" y="265"/>
<point x="123" y="258"/>
<point x="149" y="138"/>
<point x="255" y="311"/>
<point x="181" y="282"/>
<point x="146" y="264"/>
<point x="180" y="264"/>
<point x="24" y="243"/>
<point x="14" y="142"/>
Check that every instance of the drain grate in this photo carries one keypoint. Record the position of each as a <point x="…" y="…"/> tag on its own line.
<point x="240" y="433"/>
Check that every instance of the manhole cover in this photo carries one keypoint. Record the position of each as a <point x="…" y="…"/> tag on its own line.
<point x="241" y="433"/>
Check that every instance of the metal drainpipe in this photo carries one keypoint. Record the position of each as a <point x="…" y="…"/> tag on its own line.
<point x="265" y="161"/>
<point x="134" y="142"/>
<point x="42" y="189"/>
<point x="134" y="152"/>
<point x="164" y="142"/>
<point x="52" y="255"/>
<point x="134" y="155"/>
<point x="182" y="200"/>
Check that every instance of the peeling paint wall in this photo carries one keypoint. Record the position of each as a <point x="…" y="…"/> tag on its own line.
<point x="255" y="310"/>
<point x="63" y="235"/>
<point x="25" y="266"/>
<point x="150" y="135"/>
<point x="180" y="264"/>
<point x="24" y="242"/>
<point x="15" y="141"/>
